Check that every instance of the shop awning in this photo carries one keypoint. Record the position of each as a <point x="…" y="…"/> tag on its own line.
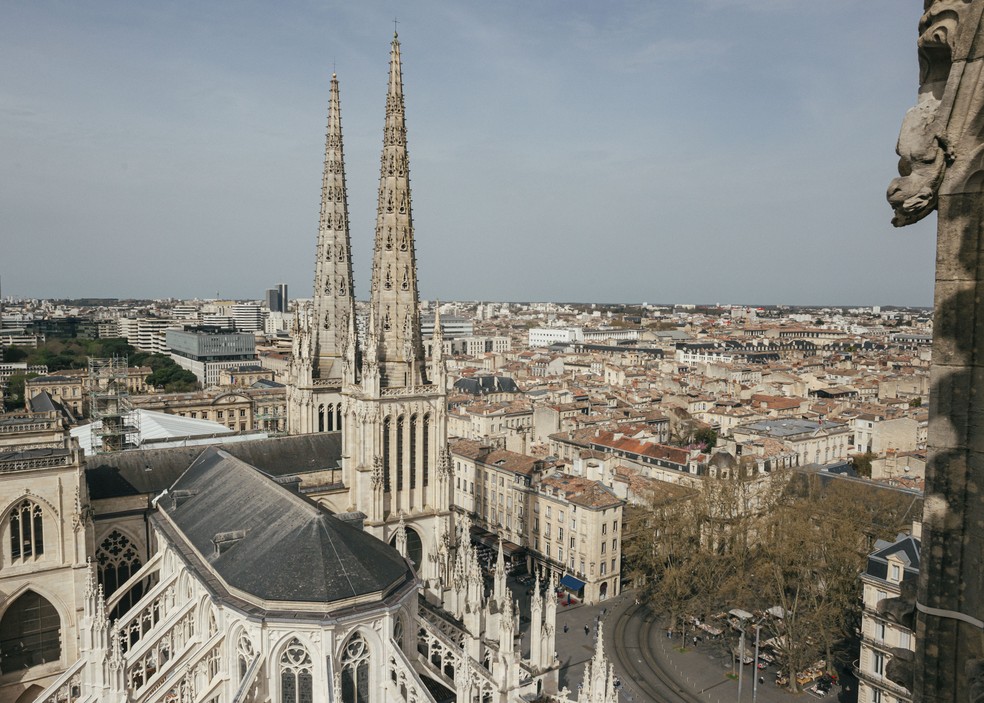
<point x="571" y="584"/>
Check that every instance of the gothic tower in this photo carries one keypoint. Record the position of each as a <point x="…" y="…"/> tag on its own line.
<point x="321" y="337"/>
<point x="396" y="463"/>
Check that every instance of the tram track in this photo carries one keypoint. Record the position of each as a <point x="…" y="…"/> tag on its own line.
<point x="642" y="675"/>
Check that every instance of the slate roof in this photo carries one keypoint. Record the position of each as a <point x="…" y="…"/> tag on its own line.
<point x="483" y="385"/>
<point x="907" y="549"/>
<point x="150" y="471"/>
<point x="280" y="546"/>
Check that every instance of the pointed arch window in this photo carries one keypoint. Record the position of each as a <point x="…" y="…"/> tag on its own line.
<point x="30" y="633"/>
<point x="398" y="632"/>
<point x="244" y="653"/>
<point x="296" y="682"/>
<point x="355" y="670"/>
<point x="425" y="445"/>
<point x="399" y="453"/>
<point x="26" y="531"/>
<point x="117" y="560"/>
<point x="386" y="454"/>
<point x="413" y="451"/>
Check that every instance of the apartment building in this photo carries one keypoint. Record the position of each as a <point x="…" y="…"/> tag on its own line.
<point x="888" y="567"/>
<point x="568" y="525"/>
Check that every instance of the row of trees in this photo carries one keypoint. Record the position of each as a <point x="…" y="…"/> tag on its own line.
<point x="786" y="540"/>
<point x="67" y="354"/>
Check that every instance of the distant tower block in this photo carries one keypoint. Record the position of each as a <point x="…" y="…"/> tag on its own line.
<point x="282" y="293"/>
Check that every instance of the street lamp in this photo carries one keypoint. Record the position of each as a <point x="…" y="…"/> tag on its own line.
<point x="755" y="674"/>
<point x="743" y="616"/>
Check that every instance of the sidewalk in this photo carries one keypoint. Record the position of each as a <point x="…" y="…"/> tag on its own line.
<point x="704" y="670"/>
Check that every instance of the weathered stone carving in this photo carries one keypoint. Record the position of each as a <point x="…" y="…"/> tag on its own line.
<point x="941" y="167"/>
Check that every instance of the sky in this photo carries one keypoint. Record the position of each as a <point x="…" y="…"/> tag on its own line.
<point x="707" y="151"/>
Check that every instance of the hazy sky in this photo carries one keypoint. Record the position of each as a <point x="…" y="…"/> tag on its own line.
<point x="699" y="151"/>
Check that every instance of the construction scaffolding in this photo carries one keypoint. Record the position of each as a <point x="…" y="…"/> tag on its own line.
<point x="109" y="405"/>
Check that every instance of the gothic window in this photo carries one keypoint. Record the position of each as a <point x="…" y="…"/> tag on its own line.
<point x="296" y="683"/>
<point x="398" y="632"/>
<point x="404" y="241"/>
<point x="355" y="670"/>
<point x="330" y="417"/>
<point x="386" y="455"/>
<point x="425" y="444"/>
<point x="413" y="451"/>
<point x="26" y="531"/>
<point x="321" y="418"/>
<point x="29" y="633"/>
<point x="406" y="278"/>
<point x="389" y="238"/>
<point x="388" y="281"/>
<point x="245" y="654"/>
<point x="117" y="560"/>
<point x="415" y="548"/>
<point x="399" y="453"/>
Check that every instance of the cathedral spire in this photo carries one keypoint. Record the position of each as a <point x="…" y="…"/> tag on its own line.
<point x="334" y="293"/>
<point x="394" y="266"/>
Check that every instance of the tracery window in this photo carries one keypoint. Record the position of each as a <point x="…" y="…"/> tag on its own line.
<point x="29" y="633"/>
<point x="296" y="684"/>
<point x="355" y="670"/>
<point x="26" y="531"/>
<point x="398" y="632"/>
<point x="245" y="654"/>
<point x="117" y="559"/>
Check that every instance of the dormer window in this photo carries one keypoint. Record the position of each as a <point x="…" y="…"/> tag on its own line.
<point x="896" y="573"/>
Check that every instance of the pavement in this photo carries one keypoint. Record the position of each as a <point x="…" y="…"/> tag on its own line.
<point x="650" y="666"/>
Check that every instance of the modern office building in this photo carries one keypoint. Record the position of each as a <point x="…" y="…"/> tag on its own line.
<point x="205" y="351"/>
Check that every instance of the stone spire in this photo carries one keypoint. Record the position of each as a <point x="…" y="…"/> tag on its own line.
<point x="438" y="366"/>
<point x="334" y="293"/>
<point x="393" y="297"/>
<point x="500" y="591"/>
<point x="599" y="676"/>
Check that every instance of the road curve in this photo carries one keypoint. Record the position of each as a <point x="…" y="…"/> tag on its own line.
<point x="642" y="676"/>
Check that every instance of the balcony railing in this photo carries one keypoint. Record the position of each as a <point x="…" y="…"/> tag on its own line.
<point x="879" y="681"/>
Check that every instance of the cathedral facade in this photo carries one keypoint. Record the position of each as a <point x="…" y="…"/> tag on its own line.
<point x="378" y="390"/>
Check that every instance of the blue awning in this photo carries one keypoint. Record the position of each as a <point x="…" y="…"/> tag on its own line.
<point x="571" y="583"/>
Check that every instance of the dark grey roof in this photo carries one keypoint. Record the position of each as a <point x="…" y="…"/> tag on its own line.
<point x="150" y="471"/>
<point x="278" y="546"/>
<point x="483" y="385"/>
<point x="10" y="454"/>
<point x="267" y="383"/>
<point x="906" y="546"/>
<point x="42" y="403"/>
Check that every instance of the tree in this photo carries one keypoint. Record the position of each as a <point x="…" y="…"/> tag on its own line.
<point x="14" y="354"/>
<point x="706" y="436"/>
<point x="915" y="402"/>
<point x="862" y="463"/>
<point x="15" y="390"/>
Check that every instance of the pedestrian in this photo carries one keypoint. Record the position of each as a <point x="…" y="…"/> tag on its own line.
<point x="669" y="633"/>
<point x="565" y="628"/>
<point x="603" y="611"/>
<point x="587" y="630"/>
<point x="762" y="680"/>
<point x="695" y="640"/>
